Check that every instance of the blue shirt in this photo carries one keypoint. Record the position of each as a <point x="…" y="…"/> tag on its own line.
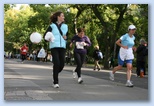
<point x="126" y="40"/>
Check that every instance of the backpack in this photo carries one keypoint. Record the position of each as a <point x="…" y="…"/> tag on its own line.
<point x="100" y="55"/>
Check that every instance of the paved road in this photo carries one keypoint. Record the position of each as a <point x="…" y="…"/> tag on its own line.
<point x="33" y="81"/>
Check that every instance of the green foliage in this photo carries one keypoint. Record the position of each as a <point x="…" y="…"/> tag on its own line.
<point x="104" y="24"/>
<point x="15" y="25"/>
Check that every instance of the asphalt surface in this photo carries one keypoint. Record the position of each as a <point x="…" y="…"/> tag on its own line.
<point x="33" y="81"/>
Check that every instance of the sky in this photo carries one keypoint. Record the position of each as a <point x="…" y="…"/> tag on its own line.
<point x="18" y="6"/>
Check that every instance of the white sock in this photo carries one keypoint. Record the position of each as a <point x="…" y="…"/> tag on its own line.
<point x="128" y="80"/>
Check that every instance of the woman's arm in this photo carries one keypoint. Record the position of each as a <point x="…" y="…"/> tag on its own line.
<point x="87" y="42"/>
<point x="118" y="42"/>
<point x="72" y="41"/>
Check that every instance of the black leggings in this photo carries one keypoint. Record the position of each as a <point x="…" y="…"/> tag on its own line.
<point x="23" y="57"/>
<point x="79" y="58"/>
<point x="140" y="65"/>
<point x="58" y="58"/>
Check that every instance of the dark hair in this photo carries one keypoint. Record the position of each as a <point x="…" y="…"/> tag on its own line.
<point x="80" y="30"/>
<point x="53" y="17"/>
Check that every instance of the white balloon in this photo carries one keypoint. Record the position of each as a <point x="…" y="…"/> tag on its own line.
<point x="35" y="37"/>
<point x="49" y="37"/>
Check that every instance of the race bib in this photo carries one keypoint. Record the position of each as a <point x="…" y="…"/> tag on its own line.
<point x="24" y="50"/>
<point x="79" y="45"/>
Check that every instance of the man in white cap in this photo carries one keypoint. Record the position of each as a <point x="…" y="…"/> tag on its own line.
<point x="126" y="43"/>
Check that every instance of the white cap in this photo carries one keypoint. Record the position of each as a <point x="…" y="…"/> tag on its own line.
<point x="131" y="27"/>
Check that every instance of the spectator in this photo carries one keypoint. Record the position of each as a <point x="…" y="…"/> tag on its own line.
<point x="142" y="52"/>
<point x="96" y="58"/>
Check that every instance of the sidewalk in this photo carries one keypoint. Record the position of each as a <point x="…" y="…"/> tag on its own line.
<point x="33" y="81"/>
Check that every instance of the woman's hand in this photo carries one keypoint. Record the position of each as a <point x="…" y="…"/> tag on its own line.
<point x="71" y="45"/>
<point x="48" y="40"/>
<point x="84" y="44"/>
<point x="134" y="48"/>
<point x="65" y="37"/>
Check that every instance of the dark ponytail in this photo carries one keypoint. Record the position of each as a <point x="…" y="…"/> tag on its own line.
<point x="53" y="17"/>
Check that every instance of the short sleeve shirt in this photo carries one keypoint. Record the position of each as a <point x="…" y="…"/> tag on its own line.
<point x="126" y="40"/>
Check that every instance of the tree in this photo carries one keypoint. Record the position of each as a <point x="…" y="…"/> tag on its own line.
<point x="104" y="24"/>
<point x="112" y="20"/>
<point x="16" y="28"/>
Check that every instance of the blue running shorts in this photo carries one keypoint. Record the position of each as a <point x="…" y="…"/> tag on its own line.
<point x="121" y="62"/>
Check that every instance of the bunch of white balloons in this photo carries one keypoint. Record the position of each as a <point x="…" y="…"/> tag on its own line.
<point x="36" y="37"/>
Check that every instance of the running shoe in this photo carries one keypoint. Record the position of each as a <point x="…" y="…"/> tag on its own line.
<point x="80" y="80"/>
<point x="74" y="74"/>
<point x="129" y="84"/>
<point x="56" y="86"/>
<point x="111" y="76"/>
